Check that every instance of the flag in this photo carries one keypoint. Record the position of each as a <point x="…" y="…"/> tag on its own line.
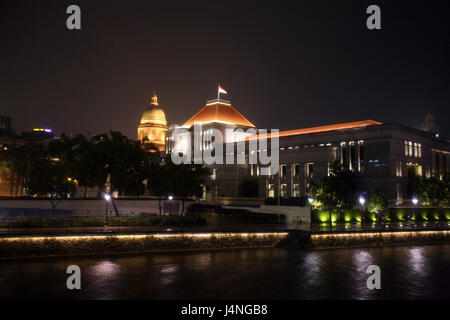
<point x="222" y="90"/>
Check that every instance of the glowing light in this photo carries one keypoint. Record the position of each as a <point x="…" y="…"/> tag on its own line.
<point x="170" y="197"/>
<point x="361" y="200"/>
<point x="143" y="236"/>
<point x="415" y="201"/>
<point x="107" y="197"/>
<point x="388" y="234"/>
<point x="310" y="200"/>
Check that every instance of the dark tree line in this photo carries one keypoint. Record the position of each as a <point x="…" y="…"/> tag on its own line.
<point x="65" y="165"/>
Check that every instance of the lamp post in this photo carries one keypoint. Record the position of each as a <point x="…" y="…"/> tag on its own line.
<point x="311" y="200"/>
<point x="362" y="202"/>
<point x="107" y="198"/>
<point x="415" y="201"/>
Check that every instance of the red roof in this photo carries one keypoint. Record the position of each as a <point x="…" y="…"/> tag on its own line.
<point x="339" y="126"/>
<point x="219" y="112"/>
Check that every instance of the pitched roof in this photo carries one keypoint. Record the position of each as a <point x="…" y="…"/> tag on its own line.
<point x="219" y="112"/>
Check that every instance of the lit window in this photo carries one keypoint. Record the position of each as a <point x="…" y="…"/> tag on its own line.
<point x="270" y="191"/>
<point x="296" y="190"/>
<point x="283" y="171"/>
<point x="330" y="168"/>
<point x="406" y="148"/>
<point x="283" y="191"/>
<point x="399" y="169"/>
<point x="295" y="170"/>
<point x="310" y="170"/>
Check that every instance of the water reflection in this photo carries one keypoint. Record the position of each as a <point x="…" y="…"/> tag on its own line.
<point x="106" y="269"/>
<point x="310" y="269"/>
<point x="361" y="259"/>
<point x="417" y="260"/>
<point x="407" y="273"/>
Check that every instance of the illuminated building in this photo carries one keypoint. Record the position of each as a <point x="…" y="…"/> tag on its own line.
<point x="153" y="125"/>
<point x="382" y="155"/>
<point x="217" y="114"/>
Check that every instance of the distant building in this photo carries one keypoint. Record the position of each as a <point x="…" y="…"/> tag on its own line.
<point x="11" y="185"/>
<point x="153" y="125"/>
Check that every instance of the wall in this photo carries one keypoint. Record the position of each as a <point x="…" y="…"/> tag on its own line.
<point x="98" y="207"/>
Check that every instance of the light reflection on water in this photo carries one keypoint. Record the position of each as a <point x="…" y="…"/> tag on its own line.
<point x="417" y="272"/>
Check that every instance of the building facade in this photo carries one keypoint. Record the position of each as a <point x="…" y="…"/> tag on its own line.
<point x="382" y="155"/>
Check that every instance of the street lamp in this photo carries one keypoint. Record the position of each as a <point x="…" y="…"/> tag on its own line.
<point x="310" y="200"/>
<point x="362" y="201"/>
<point x="415" y="202"/>
<point x="108" y="199"/>
<point x="170" y="198"/>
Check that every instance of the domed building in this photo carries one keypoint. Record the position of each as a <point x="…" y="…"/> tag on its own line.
<point x="153" y="125"/>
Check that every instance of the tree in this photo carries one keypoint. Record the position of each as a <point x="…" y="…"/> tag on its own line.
<point x="377" y="201"/>
<point x="434" y="190"/>
<point x="124" y="159"/>
<point x="182" y="181"/>
<point x="336" y="191"/>
<point x="160" y="180"/>
<point x="48" y="176"/>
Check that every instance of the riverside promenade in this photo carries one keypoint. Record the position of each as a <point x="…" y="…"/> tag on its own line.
<point x="233" y="227"/>
<point x="51" y="242"/>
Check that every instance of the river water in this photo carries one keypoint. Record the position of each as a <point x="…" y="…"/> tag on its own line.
<point x="407" y="272"/>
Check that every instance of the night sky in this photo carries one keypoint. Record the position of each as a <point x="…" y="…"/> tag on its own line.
<point x="286" y="65"/>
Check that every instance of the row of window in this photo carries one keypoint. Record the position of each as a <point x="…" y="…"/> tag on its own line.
<point x="306" y="146"/>
<point x="295" y="170"/>
<point x="413" y="149"/>
<point x="283" y="190"/>
<point x="352" y="155"/>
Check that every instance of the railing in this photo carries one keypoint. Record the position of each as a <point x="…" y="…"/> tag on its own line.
<point x="382" y="227"/>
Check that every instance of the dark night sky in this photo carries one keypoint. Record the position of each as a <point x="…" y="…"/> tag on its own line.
<point x="286" y="65"/>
